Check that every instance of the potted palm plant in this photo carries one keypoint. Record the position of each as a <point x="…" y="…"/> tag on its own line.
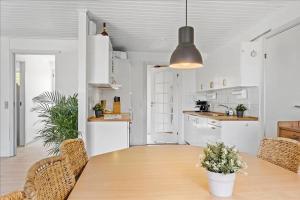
<point x="59" y="118"/>
<point x="240" y="109"/>
<point x="99" y="110"/>
<point x="222" y="163"/>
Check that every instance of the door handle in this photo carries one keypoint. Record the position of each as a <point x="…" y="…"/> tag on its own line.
<point x="297" y="106"/>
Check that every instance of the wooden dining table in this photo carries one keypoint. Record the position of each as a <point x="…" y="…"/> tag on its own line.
<point x="170" y="172"/>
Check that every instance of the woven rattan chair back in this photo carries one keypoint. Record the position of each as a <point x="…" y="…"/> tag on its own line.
<point x="74" y="151"/>
<point x="50" y="179"/>
<point x="13" y="196"/>
<point x="282" y="152"/>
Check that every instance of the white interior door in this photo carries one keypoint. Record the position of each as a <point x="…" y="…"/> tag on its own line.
<point x="282" y="93"/>
<point x="20" y="102"/>
<point x="162" y="105"/>
<point x="162" y="100"/>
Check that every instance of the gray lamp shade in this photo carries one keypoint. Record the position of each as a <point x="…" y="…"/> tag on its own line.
<point x="186" y="55"/>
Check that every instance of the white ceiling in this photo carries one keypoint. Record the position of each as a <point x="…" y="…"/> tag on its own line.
<point x="137" y="25"/>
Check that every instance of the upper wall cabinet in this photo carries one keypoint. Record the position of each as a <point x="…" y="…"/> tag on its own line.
<point x="99" y="60"/>
<point x="233" y="65"/>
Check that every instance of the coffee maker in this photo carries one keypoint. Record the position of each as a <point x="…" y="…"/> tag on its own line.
<point x="202" y="106"/>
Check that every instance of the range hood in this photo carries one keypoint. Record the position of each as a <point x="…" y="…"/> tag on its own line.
<point x="113" y="86"/>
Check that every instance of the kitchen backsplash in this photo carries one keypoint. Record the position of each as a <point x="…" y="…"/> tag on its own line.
<point x="95" y="95"/>
<point x="231" y="98"/>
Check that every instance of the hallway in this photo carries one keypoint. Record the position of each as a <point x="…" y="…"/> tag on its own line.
<point x="13" y="170"/>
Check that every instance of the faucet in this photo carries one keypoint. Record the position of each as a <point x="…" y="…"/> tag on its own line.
<point x="229" y="110"/>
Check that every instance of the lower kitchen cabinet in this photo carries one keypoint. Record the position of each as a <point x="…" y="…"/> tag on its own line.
<point x="198" y="131"/>
<point x="107" y="136"/>
<point x="244" y="135"/>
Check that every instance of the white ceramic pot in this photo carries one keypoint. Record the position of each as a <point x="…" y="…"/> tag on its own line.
<point x="221" y="185"/>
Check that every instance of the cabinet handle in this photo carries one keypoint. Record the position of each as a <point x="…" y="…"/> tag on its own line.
<point x="213" y="127"/>
<point x="213" y="122"/>
<point x="297" y="106"/>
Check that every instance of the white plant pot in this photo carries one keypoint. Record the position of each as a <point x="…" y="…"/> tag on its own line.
<point x="221" y="185"/>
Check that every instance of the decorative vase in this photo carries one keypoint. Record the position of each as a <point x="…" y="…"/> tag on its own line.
<point x="98" y="113"/>
<point x="240" y="113"/>
<point x="221" y="185"/>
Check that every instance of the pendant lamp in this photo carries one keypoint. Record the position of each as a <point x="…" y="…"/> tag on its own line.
<point x="186" y="55"/>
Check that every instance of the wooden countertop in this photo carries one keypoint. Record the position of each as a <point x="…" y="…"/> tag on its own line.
<point x="169" y="172"/>
<point x="220" y="116"/>
<point x="125" y="117"/>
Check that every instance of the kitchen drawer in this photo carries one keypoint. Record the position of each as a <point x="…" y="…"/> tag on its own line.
<point x="214" y="122"/>
<point x="289" y="134"/>
<point x="208" y="134"/>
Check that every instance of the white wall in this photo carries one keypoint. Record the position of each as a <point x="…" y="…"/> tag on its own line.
<point x="5" y="148"/>
<point x="66" y="72"/>
<point x="38" y="79"/>
<point x="122" y="76"/>
<point x="66" y="61"/>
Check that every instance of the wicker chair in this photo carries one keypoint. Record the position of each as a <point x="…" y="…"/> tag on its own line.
<point x="13" y="196"/>
<point x="50" y="179"/>
<point x="282" y="152"/>
<point x="74" y="151"/>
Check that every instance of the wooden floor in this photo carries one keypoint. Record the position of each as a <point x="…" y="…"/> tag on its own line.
<point x="162" y="138"/>
<point x="13" y="170"/>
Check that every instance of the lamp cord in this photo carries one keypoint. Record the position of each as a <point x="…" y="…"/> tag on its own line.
<point x="185" y="12"/>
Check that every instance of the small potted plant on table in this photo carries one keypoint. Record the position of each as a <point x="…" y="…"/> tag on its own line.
<point x="240" y="109"/>
<point x="99" y="110"/>
<point x="222" y="163"/>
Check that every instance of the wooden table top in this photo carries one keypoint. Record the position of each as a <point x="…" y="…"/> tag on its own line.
<point x="169" y="173"/>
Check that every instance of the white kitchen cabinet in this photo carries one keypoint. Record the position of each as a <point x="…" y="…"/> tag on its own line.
<point x="198" y="127"/>
<point x="244" y="135"/>
<point x="200" y="130"/>
<point x="107" y="136"/>
<point x="190" y="129"/>
<point x="213" y="134"/>
<point x="187" y="128"/>
<point x="99" y="60"/>
<point x="233" y="65"/>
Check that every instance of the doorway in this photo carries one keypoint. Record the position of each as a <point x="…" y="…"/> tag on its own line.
<point x="34" y="74"/>
<point x="162" y="112"/>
